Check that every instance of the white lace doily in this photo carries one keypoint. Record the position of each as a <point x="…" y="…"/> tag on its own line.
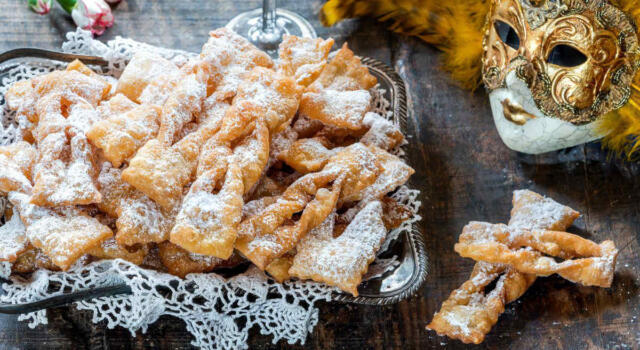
<point x="218" y="312"/>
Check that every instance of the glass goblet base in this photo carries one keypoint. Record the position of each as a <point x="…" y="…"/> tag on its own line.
<point x="249" y="26"/>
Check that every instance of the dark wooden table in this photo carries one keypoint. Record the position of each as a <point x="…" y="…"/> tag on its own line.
<point x="464" y="171"/>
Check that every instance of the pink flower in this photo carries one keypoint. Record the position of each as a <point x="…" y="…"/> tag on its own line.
<point x="40" y="7"/>
<point x="93" y="15"/>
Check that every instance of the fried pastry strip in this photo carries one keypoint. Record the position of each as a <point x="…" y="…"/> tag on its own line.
<point x="345" y="72"/>
<point x="31" y="260"/>
<point x="273" y="232"/>
<point x="110" y="249"/>
<point x="143" y="70"/>
<point x="381" y="132"/>
<point x="161" y="172"/>
<point x="181" y="107"/>
<point x="16" y="164"/>
<point x="303" y="58"/>
<point x="586" y="262"/>
<point x="13" y="239"/>
<point x="208" y="219"/>
<point x="344" y="109"/>
<point x="275" y="96"/>
<point x="233" y="58"/>
<point x="64" y="234"/>
<point x="117" y="104"/>
<point x="470" y="312"/>
<point x="308" y="155"/>
<point x="139" y="219"/>
<point x="530" y="210"/>
<point x="65" y="172"/>
<point x="180" y="262"/>
<point x="121" y="135"/>
<point x="341" y="261"/>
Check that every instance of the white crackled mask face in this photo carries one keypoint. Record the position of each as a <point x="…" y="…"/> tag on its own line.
<point x="553" y="67"/>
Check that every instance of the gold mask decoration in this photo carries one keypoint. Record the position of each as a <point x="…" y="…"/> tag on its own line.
<point x="578" y="57"/>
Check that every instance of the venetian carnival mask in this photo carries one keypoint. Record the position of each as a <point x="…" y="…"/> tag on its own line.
<point x="553" y="67"/>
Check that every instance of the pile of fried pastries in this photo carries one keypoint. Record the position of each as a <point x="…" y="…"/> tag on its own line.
<point x="227" y="158"/>
<point x="510" y="257"/>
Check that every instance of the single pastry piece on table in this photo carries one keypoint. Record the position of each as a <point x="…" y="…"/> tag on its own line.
<point x="227" y="158"/>
<point x="559" y="72"/>
<point x="511" y="257"/>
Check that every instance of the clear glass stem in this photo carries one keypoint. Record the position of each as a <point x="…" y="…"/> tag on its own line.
<point x="269" y="15"/>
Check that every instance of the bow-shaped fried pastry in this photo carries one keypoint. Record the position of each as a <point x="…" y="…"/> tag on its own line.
<point x="161" y="172"/>
<point x="303" y="58"/>
<point x="233" y="58"/>
<point x="139" y="219"/>
<point x="210" y="212"/>
<point x="530" y="210"/>
<point x="469" y="312"/>
<point x="585" y="261"/>
<point x="345" y="72"/>
<point x="121" y="135"/>
<point x="64" y="234"/>
<point x="146" y="71"/>
<point x="65" y="171"/>
<point x="341" y="261"/>
<point x="275" y="96"/>
<point x="16" y="165"/>
<point x="273" y="231"/>
<point x="183" y="105"/>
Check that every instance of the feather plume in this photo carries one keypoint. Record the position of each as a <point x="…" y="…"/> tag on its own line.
<point x="453" y="26"/>
<point x="621" y="128"/>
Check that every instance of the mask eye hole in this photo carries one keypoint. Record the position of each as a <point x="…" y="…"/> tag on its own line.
<point x="566" y="56"/>
<point x="507" y="34"/>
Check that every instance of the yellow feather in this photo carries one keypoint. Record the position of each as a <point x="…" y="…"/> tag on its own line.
<point x="453" y="26"/>
<point x="621" y="128"/>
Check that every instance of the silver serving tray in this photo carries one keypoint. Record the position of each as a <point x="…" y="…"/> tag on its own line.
<point x="397" y="284"/>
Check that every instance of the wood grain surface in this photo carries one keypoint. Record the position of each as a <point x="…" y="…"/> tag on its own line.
<point x="464" y="171"/>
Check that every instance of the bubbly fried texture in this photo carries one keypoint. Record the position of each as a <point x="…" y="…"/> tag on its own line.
<point x="344" y="109"/>
<point x="144" y="69"/>
<point x="118" y="104"/>
<point x="469" y="313"/>
<point x="13" y="239"/>
<point x="139" y="219"/>
<point x="279" y="268"/>
<point x="121" y="135"/>
<point x="208" y="219"/>
<point x="232" y="58"/>
<point x="182" y="106"/>
<point x="16" y="164"/>
<point x="303" y="58"/>
<point x="528" y="251"/>
<point x="180" y="262"/>
<point x="64" y="234"/>
<point x="65" y="171"/>
<point x="341" y="261"/>
<point x="344" y="72"/>
<point x="307" y="155"/>
<point x="110" y="249"/>
<point x="31" y="260"/>
<point x="276" y="97"/>
<point x="381" y="132"/>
